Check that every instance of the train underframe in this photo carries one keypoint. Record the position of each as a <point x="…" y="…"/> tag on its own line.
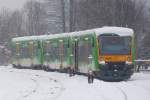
<point x="108" y="72"/>
<point x="115" y="71"/>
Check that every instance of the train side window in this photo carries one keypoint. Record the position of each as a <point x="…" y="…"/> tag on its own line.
<point x="31" y="48"/>
<point x="55" y="51"/>
<point x="17" y="48"/>
<point x="23" y="51"/>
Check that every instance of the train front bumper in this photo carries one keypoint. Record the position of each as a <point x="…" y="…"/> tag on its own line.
<point x="115" y="71"/>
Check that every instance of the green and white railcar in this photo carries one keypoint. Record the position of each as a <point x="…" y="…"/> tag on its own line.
<point x="109" y="52"/>
<point x="26" y="52"/>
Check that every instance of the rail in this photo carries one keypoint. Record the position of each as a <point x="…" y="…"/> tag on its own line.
<point x="142" y="65"/>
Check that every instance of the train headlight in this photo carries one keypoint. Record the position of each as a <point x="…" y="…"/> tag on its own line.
<point x="128" y="62"/>
<point x="129" y="58"/>
<point x="102" y="62"/>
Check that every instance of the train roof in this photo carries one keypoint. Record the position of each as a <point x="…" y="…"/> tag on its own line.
<point x="52" y="36"/>
<point x="121" y="31"/>
<point x="65" y="35"/>
<point x="25" y="38"/>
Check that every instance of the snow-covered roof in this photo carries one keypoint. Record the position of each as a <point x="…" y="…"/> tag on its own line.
<point x="104" y="30"/>
<point x="53" y="36"/>
<point x="25" y="38"/>
<point x="72" y="34"/>
<point x="121" y="31"/>
<point x="80" y="33"/>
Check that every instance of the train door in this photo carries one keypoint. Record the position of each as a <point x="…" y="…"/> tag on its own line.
<point x="85" y="54"/>
<point x="75" y="55"/>
<point x="56" y="54"/>
<point x="36" y="53"/>
<point x="25" y="57"/>
<point x="63" y="53"/>
<point x="52" y="55"/>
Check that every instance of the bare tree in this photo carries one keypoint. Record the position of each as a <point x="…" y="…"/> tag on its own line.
<point x="97" y="13"/>
<point x="63" y="15"/>
<point x="36" y="14"/>
<point x="5" y="15"/>
<point x="15" y="23"/>
<point x="4" y="24"/>
<point x="71" y="15"/>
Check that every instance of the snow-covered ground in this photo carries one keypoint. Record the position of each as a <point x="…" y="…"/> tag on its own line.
<point x="26" y="84"/>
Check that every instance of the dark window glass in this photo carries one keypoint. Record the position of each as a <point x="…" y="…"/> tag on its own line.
<point x="25" y="53"/>
<point x="115" y="44"/>
<point x="85" y="50"/>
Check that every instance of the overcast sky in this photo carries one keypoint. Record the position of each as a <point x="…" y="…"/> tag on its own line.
<point x="15" y="4"/>
<point x="12" y="4"/>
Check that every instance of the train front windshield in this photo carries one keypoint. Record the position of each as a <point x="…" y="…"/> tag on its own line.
<point x="110" y="45"/>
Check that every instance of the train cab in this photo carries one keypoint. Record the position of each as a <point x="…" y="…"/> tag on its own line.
<point x="115" y="52"/>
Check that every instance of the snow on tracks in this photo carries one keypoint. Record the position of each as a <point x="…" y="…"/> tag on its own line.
<point x="58" y="86"/>
<point x="30" y="85"/>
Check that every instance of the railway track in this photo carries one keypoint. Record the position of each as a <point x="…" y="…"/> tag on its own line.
<point x="125" y="97"/>
<point x="128" y="89"/>
<point x="125" y="90"/>
<point x="138" y="86"/>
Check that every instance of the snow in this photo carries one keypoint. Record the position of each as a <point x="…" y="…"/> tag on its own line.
<point x="26" y="84"/>
<point x="107" y="30"/>
<point x="52" y="36"/>
<point x="121" y="31"/>
<point x="25" y="38"/>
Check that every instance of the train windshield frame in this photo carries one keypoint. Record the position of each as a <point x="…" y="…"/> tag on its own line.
<point x="115" y="45"/>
